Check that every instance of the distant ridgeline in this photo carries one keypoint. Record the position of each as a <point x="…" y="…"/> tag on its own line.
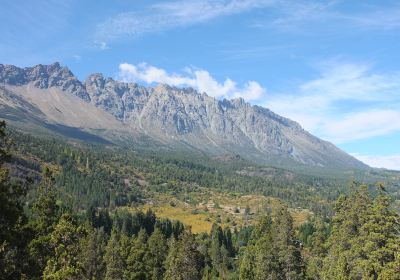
<point x="49" y="98"/>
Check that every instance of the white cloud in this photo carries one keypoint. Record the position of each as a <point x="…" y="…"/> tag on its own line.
<point x="389" y="162"/>
<point x="196" y="78"/>
<point x="346" y="102"/>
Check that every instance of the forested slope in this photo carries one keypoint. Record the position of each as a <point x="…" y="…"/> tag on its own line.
<point x="73" y="211"/>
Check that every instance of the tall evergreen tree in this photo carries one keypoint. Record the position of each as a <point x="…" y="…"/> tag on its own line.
<point x="288" y="247"/>
<point x="365" y="239"/>
<point x="317" y="250"/>
<point x="220" y="251"/>
<point x="65" y="241"/>
<point x="217" y="239"/>
<point x="45" y="214"/>
<point x="248" y="264"/>
<point x="157" y="250"/>
<point x="115" y="262"/>
<point x="275" y="253"/>
<point x="92" y="255"/>
<point x="13" y="234"/>
<point x="135" y="265"/>
<point x="184" y="260"/>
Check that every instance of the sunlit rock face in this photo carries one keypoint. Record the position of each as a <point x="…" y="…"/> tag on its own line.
<point x="173" y="116"/>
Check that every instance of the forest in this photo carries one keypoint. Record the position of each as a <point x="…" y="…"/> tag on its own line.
<point x="66" y="212"/>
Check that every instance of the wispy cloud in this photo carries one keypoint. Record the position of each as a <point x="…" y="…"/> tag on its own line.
<point x="282" y="15"/>
<point x="378" y="18"/>
<point x="360" y="125"/>
<point x="172" y="14"/>
<point x="389" y="162"/>
<point x="346" y="102"/>
<point x="102" y="45"/>
<point x="293" y="15"/>
<point x="77" y="57"/>
<point x="196" y="78"/>
<point x="246" y="53"/>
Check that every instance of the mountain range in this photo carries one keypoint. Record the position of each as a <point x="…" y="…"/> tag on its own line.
<point x="104" y="110"/>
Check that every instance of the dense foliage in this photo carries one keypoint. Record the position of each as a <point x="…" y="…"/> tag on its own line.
<point x="93" y="175"/>
<point x="70" y="226"/>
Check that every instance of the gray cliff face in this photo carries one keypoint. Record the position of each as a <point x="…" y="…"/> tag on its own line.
<point x="183" y="115"/>
<point x="123" y="100"/>
<point x="43" y="76"/>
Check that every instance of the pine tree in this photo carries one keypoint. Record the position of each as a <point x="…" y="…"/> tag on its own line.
<point x="267" y="262"/>
<point x="364" y="242"/>
<point x="288" y="247"/>
<point x="266" y="258"/>
<point x="157" y="250"/>
<point x="378" y="238"/>
<point x="228" y="242"/>
<point x="248" y="264"/>
<point x="220" y="256"/>
<point x="115" y="263"/>
<point x="45" y="212"/>
<point x="13" y="235"/>
<point x="184" y="260"/>
<point x="217" y="238"/>
<point x="274" y="253"/>
<point x="135" y="265"/>
<point x="65" y="241"/>
<point x="318" y="250"/>
<point x="92" y="255"/>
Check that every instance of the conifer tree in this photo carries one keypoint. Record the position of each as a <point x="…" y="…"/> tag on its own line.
<point x="364" y="242"/>
<point x="288" y="247"/>
<point x="248" y="264"/>
<point x="13" y="235"/>
<point x="115" y="263"/>
<point x="157" y="250"/>
<point x="274" y="252"/>
<point x="184" y="260"/>
<point x="217" y="238"/>
<point x="65" y="241"/>
<point x="45" y="213"/>
<point x="317" y="250"/>
<point x="135" y="265"/>
<point x="92" y="255"/>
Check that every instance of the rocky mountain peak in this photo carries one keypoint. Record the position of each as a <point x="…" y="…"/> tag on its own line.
<point x="183" y="115"/>
<point x="96" y="79"/>
<point x="44" y="76"/>
<point x="163" y="88"/>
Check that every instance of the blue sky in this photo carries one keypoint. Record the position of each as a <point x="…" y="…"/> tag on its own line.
<point x="333" y="66"/>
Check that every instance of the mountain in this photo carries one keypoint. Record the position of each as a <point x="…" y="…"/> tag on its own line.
<point x="102" y="109"/>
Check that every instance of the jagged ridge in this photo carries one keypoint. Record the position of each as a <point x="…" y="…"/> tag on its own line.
<point x="183" y="116"/>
